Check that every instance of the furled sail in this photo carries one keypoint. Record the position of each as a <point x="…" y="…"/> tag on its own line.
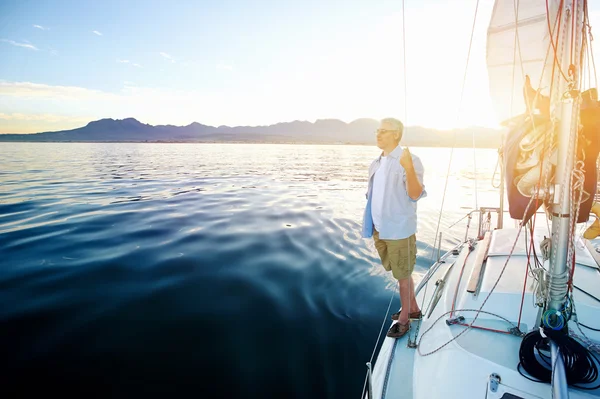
<point x="526" y="45"/>
<point x="518" y="45"/>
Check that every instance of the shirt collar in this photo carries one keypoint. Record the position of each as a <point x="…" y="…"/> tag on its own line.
<point x="396" y="152"/>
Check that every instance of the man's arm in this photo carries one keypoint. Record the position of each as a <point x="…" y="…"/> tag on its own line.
<point x="414" y="188"/>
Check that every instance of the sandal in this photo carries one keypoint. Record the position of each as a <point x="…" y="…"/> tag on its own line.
<point x="411" y="316"/>
<point x="398" y="330"/>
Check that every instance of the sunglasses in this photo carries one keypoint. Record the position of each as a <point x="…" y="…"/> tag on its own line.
<point x="383" y="131"/>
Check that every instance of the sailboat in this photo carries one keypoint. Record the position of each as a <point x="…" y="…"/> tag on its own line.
<point x="514" y="312"/>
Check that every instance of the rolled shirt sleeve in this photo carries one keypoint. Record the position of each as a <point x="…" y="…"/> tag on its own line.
<point x="419" y="171"/>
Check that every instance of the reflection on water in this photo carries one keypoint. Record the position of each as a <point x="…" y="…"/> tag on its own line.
<point x="230" y="269"/>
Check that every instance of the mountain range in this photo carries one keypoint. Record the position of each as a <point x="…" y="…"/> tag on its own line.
<point x="323" y="131"/>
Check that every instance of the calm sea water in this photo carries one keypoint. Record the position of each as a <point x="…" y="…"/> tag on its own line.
<point x="202" y="270"/>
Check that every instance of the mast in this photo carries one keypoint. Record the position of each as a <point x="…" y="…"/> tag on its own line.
<point x="568" y="111"/>
<point x="534" y="50"/>
<point x="567" y="108"/>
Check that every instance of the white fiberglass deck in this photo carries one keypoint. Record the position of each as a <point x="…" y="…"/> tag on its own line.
<point x="462" y="368"/>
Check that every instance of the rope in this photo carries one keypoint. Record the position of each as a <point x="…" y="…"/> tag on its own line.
<point x="523" y="293"/>
<point x="591" y="345"/>
<point x="591" y="39"/>
<point x="548" y="133"/>
<point x="543" y="171"/>
<point x="540" y="288"/>
<point x="577" y="177"/>
<point x="460" y="104"/>
<point x="462" y="91"/>
<point x="573" y="38"/>
<point x="556" y="62"/>
<point x="383" y="324"/>
<point x="557" y="283"/>
<point x="411" y="283"/>
<point x="460" y="220"/>
<point x="475" y="168"/>
<point x="512" y="92"/>
<point x="536" y="273"/>
<point x="405" y="124"/>
<point x="479" y="311"/>
<point x="404" y="61"/>
<point x="496" y="172"/>
<point x="587" y="43"/>
<point x="462" y="270"/>
<point x="579" y="363"/>
<point x="471" y="325"/>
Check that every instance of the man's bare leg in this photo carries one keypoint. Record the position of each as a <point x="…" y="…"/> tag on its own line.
<point x="407" y="299"/>
<point x="414" y="306"/>
<point x="404" y="288"/>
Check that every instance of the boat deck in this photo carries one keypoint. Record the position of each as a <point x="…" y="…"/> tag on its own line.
<point x="432" y="372"/>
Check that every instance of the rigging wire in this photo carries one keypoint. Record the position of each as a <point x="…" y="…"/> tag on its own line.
<point x="378" y="338"/>
<point x="571" y="350"/>
<point x="462" y="91"/>
<point x="556" y="62"/>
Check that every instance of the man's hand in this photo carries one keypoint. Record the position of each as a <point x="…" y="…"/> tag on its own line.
<point x="406" y="159"/>
<point x="414" y="189"/>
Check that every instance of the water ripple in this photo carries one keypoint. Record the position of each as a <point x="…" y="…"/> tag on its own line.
<point x="134" y="268"/>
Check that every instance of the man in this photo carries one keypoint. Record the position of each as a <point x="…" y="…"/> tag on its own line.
<point x="395" y="186"/>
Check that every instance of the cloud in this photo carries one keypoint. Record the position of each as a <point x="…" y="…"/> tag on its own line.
<point x="144" y="103"/>
<point x="167" y="56"/>
<point x="224" y="67"/>
<point x="135" y="64"/>
<point x="41" y="117"/>
<point x="24" y="45"/>
<point x="27" y="123"/>
<point x="160" y="105"/>
<point x="37" y="90"/>
<point x="40" y="27"/>
<point x="97" y="33"/>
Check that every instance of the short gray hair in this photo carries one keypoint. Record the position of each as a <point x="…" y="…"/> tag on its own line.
<point x="397" y="125"/>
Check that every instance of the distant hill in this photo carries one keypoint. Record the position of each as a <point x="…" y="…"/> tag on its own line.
<point x="323" y="131"/>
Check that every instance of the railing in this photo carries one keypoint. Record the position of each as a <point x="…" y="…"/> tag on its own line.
<point x="484" y="226"/>
<point x="369" y="381"/>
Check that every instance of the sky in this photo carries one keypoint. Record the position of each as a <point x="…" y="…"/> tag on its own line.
<point x="65" y="63"/>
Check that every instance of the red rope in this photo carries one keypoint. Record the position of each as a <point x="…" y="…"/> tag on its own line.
<point x="523" y="293"/>
<point x="531" y="240"/>
<point x="572" y="33"/>
<point x="555" y="63"/>
<point x="484" y="328"/>
<point x="559" y="20"/>
<point x="531" y="244"/>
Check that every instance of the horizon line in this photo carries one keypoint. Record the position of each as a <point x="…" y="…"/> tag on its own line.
<point x="255" y="126"/>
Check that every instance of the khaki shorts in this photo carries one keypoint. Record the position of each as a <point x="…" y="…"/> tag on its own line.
<point x="399" y="256"/>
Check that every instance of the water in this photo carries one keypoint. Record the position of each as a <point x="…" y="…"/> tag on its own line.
<point x="201" y="270"/>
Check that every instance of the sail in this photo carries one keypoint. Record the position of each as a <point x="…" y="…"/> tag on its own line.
<point x="527" y="56"/>
<point x="518" y="45"/>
